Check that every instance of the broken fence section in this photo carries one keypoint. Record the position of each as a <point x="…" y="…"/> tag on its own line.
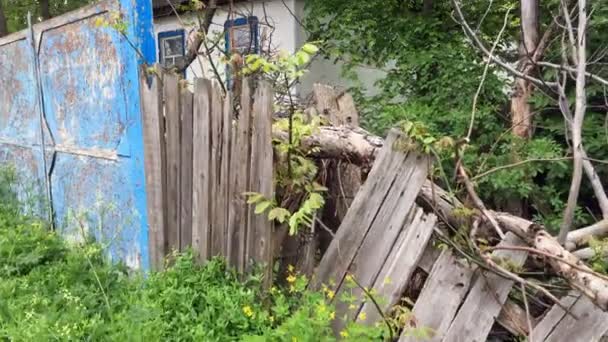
<point x="200" y="161"/>
<point x="385" y="237"/>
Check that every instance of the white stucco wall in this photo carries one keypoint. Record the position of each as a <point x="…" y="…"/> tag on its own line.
<point x="269" y="13"/>
<point x="287" y="35"/>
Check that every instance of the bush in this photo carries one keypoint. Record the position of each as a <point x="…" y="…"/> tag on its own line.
<point x="50" y="290"/>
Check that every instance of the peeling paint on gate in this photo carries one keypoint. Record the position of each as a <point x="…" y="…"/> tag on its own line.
<point x="93" y="132"/>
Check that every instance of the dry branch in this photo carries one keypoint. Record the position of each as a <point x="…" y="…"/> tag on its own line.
<point x="353" y="145"/>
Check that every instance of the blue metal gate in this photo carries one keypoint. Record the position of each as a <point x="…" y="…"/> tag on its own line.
<point x="91" y="119"/>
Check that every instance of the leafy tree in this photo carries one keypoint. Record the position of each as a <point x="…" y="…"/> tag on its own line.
<point x="15" y="11"/>
<point x="434" y="74"/>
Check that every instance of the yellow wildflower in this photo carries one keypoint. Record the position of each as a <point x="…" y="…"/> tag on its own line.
<point x="290" y="268"/>
<point x="271" y="318"/>
<point x="247" y="311"/>
<point x="352" y="307"/>
<point x="330" y="294"/>
<point x="362" y="316"/>
<point x="387" y="281"/>
<point x="291" y="278"/>
<point x="332" y="315"/>
<point x="344" y="333"/>
<point x="349" y="277"/>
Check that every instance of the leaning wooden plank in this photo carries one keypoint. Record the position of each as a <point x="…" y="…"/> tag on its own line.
<point x="240" y="176"/>
<point x="224" y="175"/>
<point x="151" y="103"/>
<point x="445" y="288"/>
<point x="217" y="230"/>
<point x="389" y="223"/>
<point x="591" y="325"/>
<point x="172" y="119"/>
<point x="512" y="316"/>
<point x="553" y="318"/>
<point x="400" y="265"/>
<point x="201" y="169"/>
<point x="260" y="228"/>
<point x="483" y="303"/>
<point x="186" y="149"/>
<point x="357" y="221"/>
<point x="348" y="310"/>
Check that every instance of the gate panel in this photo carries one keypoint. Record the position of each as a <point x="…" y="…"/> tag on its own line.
<point x="94" y="144"/>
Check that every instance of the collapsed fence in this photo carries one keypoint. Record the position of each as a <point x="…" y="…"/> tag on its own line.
<point x="201" y="159"/>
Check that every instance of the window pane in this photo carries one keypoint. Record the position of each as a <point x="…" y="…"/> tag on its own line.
<point x="173" y="46"/>
<point x="241" y="38"/>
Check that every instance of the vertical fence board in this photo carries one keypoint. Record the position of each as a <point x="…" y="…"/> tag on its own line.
<point x="260" y="228"/>
<point x="186" y="169"/>
<point x="225" y="171"/>
<point x="151" y="104"/>
<point x="240" y="179"/>
<point x="201" y="169"/>
<point x="215" y="163"/>
<point x="172" y="140"/>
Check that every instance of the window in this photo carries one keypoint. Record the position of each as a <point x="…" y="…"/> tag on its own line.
<point x="171" y="47"/>
<point x="241" y="37"/>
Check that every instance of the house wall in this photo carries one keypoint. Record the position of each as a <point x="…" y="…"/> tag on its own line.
<point x="276" y="16"/>
<point x="273" y="16"/>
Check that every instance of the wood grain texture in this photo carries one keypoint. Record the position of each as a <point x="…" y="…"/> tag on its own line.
<point x="186" y="164"/>
<point x="153" y="130"/>
<point x="400" y="264"/>
<point x="201" y="169"/>
<point x="553" y="318"/>
<point x="215" y="201"/>
<point x="224" y="175"/>
<point x="240" y="180"/>
<point x="260" y="228"/>
<point x="445" y="288"/>
<point x="172" y="141"/>
<point x="356" y="223"/>
<point x="342" y="249"/>
<point x="591" y="325"/>
<point x="484" y="302"/>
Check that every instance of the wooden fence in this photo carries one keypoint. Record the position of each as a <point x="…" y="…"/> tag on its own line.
<point x="200" y="160"/>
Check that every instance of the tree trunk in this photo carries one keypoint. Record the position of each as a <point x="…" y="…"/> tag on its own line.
<point x="45" y="11"/>
<point x="521" y="110"/>
<point x="521" y="119"/>
<point x="3" y="24"/>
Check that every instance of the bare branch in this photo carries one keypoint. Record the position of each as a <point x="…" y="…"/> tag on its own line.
<point x="477" y="41"/>
<point x="577" y="123"/>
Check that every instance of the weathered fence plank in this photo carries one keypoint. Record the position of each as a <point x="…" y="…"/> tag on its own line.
<point x="400" y="264"/>
<point x="151" y="104"/>
<point x="591" y="325"/>
<point x="186" y="163"/>
<point x="260" y="228"/>
<point x="201" y="169"/>
<point x="172" y="141"/>
<point x="217" y="234"/>
<point x="225" y="172"/>
<point x="445" y="288"/>
<point x="240" y="180"/>
<point x="553" y="317"/>
<point x="484" y="302"/>
<point x="367" y="203"/>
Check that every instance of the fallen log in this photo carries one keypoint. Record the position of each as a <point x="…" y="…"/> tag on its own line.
<point x="353" y="145"/>
<point x="359" y="147"/>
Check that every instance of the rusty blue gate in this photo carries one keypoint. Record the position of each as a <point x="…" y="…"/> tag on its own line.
<point x="69" y="90"/>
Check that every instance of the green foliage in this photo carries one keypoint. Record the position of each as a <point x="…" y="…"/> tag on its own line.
<point x="16" y="10"/>
<point x="431" y="76"/>
<point x="51" y="290"/>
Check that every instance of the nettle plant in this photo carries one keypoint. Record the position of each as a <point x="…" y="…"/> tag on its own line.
<point x="296" y="172"/>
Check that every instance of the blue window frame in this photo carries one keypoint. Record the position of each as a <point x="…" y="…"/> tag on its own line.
<point x="171" y="47"/>
<point x="241" y="36"/>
